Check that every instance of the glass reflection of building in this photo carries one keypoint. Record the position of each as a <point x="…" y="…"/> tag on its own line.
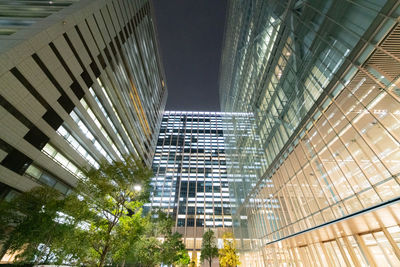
<point x="190" y="181"/>
<point x="321" y="79"/>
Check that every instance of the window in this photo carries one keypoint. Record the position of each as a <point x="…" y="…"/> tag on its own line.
<point x="36" y="138"/>
<point x="181" y="222"/>
<point x="51" y="152"/>
<point x="191" y="210"/>
<point x="16" y="161"/>
<point x="190" y="222"/>
<point x="53" y="119"/>
<point x="77" y="146"/>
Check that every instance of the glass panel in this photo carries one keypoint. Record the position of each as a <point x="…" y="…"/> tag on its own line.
<point x="50" y="181"/>
<point x="338" y="253"/>
<point x="394" y="231"/>
<point x="387" y="248"/>
<point x="374" y="250"/>
<point x="388" y="190"/>
<point x="357" y="250"/>
<point x="332" y="254"/>
<point x="369" y="198"/>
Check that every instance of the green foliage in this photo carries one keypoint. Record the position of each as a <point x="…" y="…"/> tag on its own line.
<point x="33" y="217"/>
<point x="158" y="244"/>
<point x="110" y="209"/>
<point x="173" y="251"/>
<point x="184" y="258"/>
<point x="227" y="254"/>
<point x="209" y="248"/>
<point x="100" y="223"/>
<point x="130" y="229"/>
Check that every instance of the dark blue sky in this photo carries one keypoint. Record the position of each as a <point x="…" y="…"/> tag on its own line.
<point x="190" y="35"/>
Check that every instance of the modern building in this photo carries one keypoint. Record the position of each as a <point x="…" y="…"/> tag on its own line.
<point x="190" y="178"/>
<point x="80" y="81"/>
<point x="321" y="82"/>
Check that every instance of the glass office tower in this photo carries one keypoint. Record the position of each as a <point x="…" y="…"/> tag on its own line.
<point x="80" y="81"/>
<point x="321" y="80"/>
<point x="190" y="179"/>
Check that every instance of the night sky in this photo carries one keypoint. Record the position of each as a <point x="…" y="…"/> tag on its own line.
<point x="190" y="34"/>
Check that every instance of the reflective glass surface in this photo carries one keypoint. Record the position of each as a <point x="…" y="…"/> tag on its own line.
<point x="320" y="80"/>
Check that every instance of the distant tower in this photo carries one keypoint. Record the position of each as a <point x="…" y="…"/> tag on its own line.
<point x="190" y="174"/>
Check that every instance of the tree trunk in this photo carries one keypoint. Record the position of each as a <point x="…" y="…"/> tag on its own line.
<point x="107" y="246"/>
<point x="103" y="256"/>
<point x="210" y="261"/>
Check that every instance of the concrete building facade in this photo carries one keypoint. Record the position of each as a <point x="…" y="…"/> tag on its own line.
<point x="80" y="81"/>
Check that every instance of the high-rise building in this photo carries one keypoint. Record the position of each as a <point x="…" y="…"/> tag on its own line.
<point x="80" y="81"/>
<point x="321" y="82"/>
<point x="190" y="180"/>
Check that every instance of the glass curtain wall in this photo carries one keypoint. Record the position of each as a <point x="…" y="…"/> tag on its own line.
<point x="371" y="239"/>
<point x="321" y="79"/>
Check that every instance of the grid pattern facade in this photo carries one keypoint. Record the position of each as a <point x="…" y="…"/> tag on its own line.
<point x="77" y="88"/>
<point x="321" y="80"/>
<point x="190" y="179"/>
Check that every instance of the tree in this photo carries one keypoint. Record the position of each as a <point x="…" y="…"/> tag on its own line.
<point x="131" y="229"/>
<point x="173" y="250"/>
<point x="100" y="223"/>
<point x="227" y="254"/>
<point x="184" y="258"/>
<point x="145" y="252"/>
<point x="209" y="248"/>
<point x="159" y="244"/>
<point x="30" y="226"/>
<point x="108" y="204"/>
